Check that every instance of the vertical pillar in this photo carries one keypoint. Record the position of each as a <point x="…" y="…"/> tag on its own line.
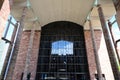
<point x="99" y="72"/>
<point x="109" y="45"/>
<point x="115" y="46"/>
<point x="28" y="55"/>
<point x="15" y="52"/>
<point x="9" y="50"/>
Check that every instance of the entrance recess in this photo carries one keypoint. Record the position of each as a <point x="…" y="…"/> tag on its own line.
<point x="62" y="53"/>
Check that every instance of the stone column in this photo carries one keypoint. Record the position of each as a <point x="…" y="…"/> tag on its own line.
<point x="27" y="72"/>
<point x="109" y="45"/>
<point x="15" y="52"/>
<point x="98" y="66"/>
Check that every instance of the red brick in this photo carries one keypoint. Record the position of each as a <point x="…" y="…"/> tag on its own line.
<point x="4" y="12"/>
<point x="89" y="49"/>
<point x="21" y="58"/>
<point x="20" y="62"/>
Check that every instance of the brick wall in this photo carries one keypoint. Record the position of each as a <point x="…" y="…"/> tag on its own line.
<point x="104" y="60"/>
<point x="102" y="53"/>
<point x="4" y="12"/>
<point x="90" y="53"/>
<point x="20" y="62"/>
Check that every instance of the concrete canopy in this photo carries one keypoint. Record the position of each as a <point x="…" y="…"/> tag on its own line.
<point x="61" y="10"/>
<point x="47" y="11"/>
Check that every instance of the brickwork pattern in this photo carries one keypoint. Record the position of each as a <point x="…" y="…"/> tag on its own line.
<point x="89" y="48"/>
<point x="4" y="12"/>
<point x="21" y="57"/>
<point x="20" y="62"/>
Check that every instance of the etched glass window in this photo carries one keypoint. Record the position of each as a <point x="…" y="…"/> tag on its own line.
<point x="62" y="47"/>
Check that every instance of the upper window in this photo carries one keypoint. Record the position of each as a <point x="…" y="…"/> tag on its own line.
<point x="10" y="25"/>
<point x="115" y="30"/>
<point x="116" y="34"/>
<point x="6" y="38"/>
<point x="62" y="47"/>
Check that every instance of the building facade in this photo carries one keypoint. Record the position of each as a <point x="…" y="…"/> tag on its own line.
<point x="60" y="49"/>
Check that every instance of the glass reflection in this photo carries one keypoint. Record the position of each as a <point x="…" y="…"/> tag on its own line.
<point x="62" y="47"/>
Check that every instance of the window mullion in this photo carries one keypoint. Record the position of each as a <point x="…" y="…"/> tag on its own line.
<point x="7" y="28"/>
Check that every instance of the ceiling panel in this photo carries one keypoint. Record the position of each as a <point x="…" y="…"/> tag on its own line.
<point x="47" y="11"/>
<point x="61" y="10"/>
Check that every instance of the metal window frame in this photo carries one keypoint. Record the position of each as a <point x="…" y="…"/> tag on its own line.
<point x="45" y="69"/>
<point x="6" y="31"/>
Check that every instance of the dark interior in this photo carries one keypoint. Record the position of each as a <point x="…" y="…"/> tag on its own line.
<point x="62" y="53"/>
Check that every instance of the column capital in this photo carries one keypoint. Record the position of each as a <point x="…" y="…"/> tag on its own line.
<point x="98" y="5"/>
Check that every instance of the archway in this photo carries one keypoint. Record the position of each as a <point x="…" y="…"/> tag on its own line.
<point x="62" y="53"/>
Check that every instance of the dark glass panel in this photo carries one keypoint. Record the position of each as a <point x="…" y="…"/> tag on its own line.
<point x="62" y="54"/>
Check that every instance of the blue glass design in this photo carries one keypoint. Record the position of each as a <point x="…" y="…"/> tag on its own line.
<point x="62" y="47"/>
